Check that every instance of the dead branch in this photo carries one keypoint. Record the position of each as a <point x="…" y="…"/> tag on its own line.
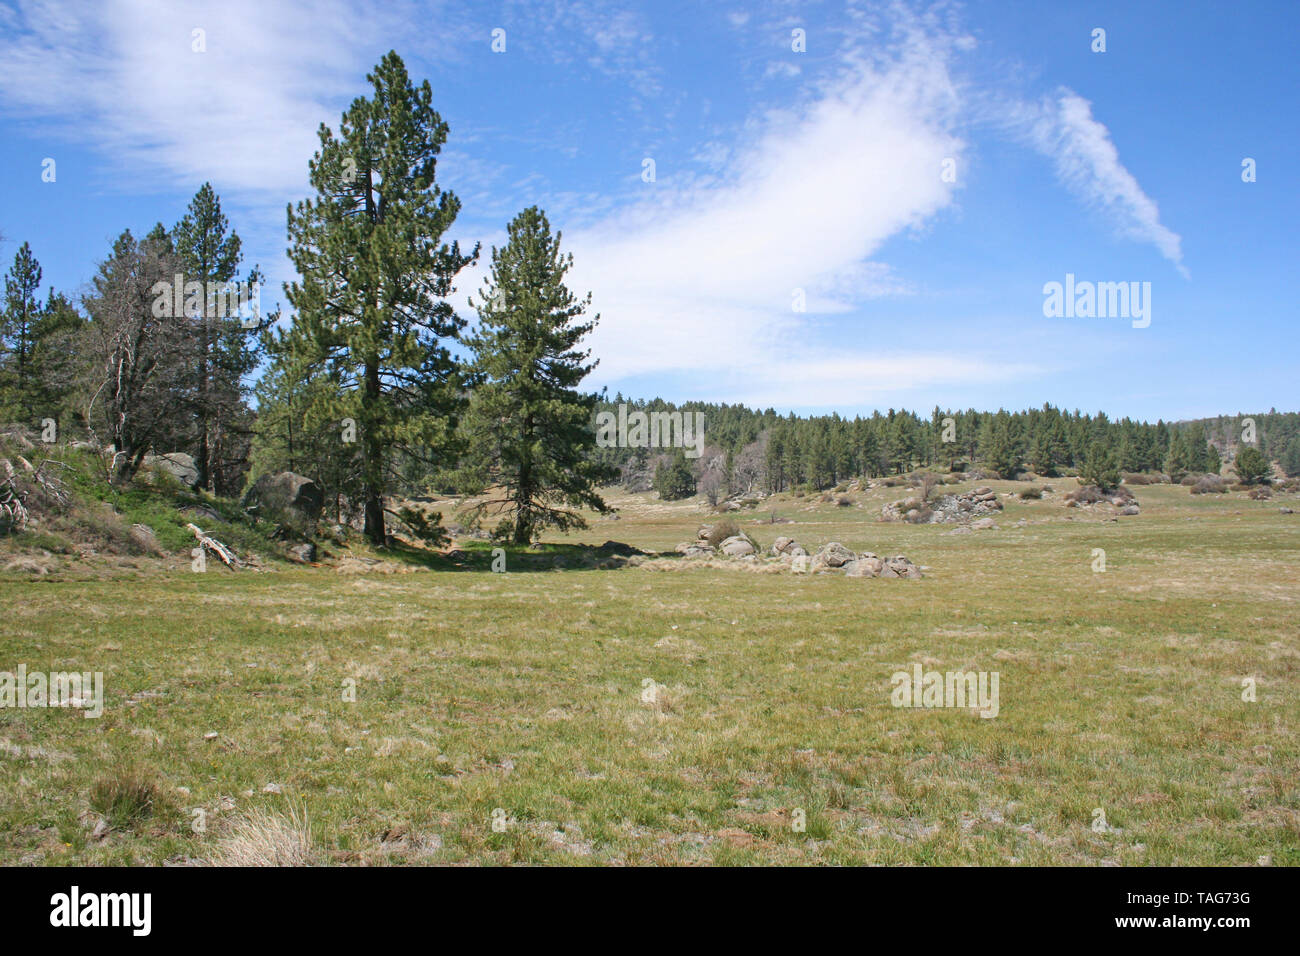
<point x="228" y="557"/>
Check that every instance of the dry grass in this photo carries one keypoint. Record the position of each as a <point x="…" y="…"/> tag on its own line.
<point x="265" y="837"/>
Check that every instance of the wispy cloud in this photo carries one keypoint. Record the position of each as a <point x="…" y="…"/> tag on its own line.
<point x="1063" y="128"/>
<point x="704" y="277"/>
<point x="125" y="77"/>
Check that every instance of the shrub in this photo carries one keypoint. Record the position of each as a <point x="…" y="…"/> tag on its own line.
<point x="1137" y="478"/>
<point x="1086" y="495"/>
<point x="1251" y="466"/>
<point x="1261" y="493"/>
<point x="1209" y="485"/>
<point x="721" y="531"/>
<point x="1031" y="494"/>
<point x="843" y="501"/>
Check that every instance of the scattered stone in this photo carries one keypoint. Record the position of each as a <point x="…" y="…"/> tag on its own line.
<point x="983" y="524"/>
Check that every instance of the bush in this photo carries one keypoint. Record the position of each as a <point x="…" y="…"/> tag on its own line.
<point x="1137" y="478"/>
<point x="1209" y="485"/>
<point x="1261" y="493"/>
<point x="1251" y="466"/>
<point x="1086" y="495"/>
<point x="721" y="531"/>
<point x="843" y="501"/>
<point x="1031" y="494"/>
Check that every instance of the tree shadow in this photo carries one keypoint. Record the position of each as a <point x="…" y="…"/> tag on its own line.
<point x="490" y="556"/>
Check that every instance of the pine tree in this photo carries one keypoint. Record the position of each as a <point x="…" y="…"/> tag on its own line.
<point x="1251" y="465"/>
<point x="673" y="477"/>
<point x="56" y="360"/>
<point x="1178" y="461"/>
<point x="375" y="277"/>
<point x="208" y="252"/>
<point x="1099" y="468"/>
<point x="22" y="311"/>
<point x="527" y="411"/>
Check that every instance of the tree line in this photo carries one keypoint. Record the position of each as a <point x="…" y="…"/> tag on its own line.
<point x="749" y="450"/>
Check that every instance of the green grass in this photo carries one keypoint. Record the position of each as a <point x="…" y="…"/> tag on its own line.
<point x="477" y="691"/>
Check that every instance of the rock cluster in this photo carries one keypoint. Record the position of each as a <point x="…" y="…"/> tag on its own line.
<point x="946" y="509"/>
<point x="1120" y="501"/>
<point x="785" y="550"/>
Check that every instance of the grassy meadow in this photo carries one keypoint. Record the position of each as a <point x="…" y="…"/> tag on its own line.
<point x="679" y="712"/>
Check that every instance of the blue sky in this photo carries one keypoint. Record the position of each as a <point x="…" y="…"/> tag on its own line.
<point x="775" y="171"/>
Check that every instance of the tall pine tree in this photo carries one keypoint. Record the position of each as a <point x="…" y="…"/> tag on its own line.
<point x="18" y="320"/>
<point x="208" y="251"/>
<point x="527" y="412"/>
<point x="375" y="275"/>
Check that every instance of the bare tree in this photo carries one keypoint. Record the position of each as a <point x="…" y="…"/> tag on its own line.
<point x="140" y="357"/>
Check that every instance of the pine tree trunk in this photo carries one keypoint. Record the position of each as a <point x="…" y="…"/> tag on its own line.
<point x="204" y="457"/>
<point x="373" y="491"/>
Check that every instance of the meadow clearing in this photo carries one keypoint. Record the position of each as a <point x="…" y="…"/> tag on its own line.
<point x="503" y="717"/>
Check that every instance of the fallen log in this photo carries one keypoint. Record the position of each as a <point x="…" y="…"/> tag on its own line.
<point x="209" y="543"/>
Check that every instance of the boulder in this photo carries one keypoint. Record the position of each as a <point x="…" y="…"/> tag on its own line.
<point x="783" y="545"/>
<point x="303" y="553"/>
<point x="901" y="567"/>
<point x="832" y="555"/>
<point x="737" y="546"/>
<point x="1130" y="510"/>
<point x="177" y="464"/>
<point x="983" y="524"/>
<point x="287" y="498"/>
<point x="864" y="567"/>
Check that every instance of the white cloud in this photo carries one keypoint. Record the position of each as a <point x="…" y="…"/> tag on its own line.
<point x="700" y="279"/>
<point x="1088" y="163"/>
<point x="124" y="76"/>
